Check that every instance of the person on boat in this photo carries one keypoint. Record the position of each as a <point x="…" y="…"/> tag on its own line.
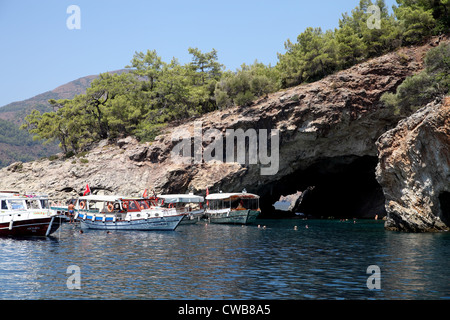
<point x="71" y="209"/>
<point x="240" y="205"/>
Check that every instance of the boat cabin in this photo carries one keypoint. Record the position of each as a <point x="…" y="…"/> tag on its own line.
<point x="232" y="201"/>
<point x="116" y="208"/>
<point x="17" y="202"/>
<point x="182" y="203"/>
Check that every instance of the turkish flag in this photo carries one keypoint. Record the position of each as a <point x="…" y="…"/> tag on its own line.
<point x="87" y="191"/>
<point x="207" y="193"/>
<point x="145" y="195"/>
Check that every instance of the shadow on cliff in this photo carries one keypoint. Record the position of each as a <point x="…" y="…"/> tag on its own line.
<point x="345" y="187"/>
<point x="444" y="201"/>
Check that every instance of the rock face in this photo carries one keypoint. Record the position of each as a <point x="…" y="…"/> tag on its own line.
<point x="414" y="170"/>
<point x="325" y="125"/>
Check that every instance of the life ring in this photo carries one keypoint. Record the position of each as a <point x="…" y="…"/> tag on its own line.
<point x="82" y="204"/>
<point x="171" y="205"/>
<point x="110" y="207"/>
<point x="125" y="205"/>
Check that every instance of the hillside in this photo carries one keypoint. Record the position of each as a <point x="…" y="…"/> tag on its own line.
<point x="18" y="145"/>
<point x="15" y="112"/>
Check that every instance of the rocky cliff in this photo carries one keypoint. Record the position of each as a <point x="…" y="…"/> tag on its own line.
<point x="327" y="134"/>
<point x="414" y="170"/>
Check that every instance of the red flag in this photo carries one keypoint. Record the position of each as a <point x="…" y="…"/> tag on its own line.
<point x="207" y="193"/>
<point x="87" y="191"/>
<point x="145" y="195"/>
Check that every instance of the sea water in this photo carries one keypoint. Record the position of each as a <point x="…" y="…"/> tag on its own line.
<point x="272" y="259"/>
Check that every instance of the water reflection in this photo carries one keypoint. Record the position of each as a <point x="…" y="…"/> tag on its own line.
<point x="417" y="265"/>
<point x="327" y="260"/>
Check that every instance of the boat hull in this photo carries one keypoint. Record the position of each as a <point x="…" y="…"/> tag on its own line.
<point x="191" y="218"/>
<point x="31" y="227"/>
<point x="234" y="217"/>
<point x="168" y="223"/>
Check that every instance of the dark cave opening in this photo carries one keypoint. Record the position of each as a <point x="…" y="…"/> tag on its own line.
<point x="344" y="187"/>
<point x="444" y="201"/>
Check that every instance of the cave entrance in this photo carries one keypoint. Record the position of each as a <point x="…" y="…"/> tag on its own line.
<point x="344" y="187"/>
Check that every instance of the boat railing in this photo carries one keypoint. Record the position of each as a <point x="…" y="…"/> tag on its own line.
<point x="23" y="215"/>
<point x="102" y="216"/>
<point x="224" y="210"/>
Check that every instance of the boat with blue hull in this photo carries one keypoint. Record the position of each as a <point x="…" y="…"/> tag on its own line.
<point x="121" y="213"/>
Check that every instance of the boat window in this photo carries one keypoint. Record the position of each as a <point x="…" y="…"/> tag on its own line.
<point x="108" y="206"/>
<point x="95" y="205"/>
<point x="17" y="204"/>
<point x="155" y="202"/>
<point x="32" y="204"/>
<point x="133" y="206"/>
<point x="143" y="204"/>
<point x="4" y="206"/>
<point x="237" y="204"/>
<point x="44" y="203"/>
<point x="219" y="204"/>
<point x="242" y="204"/>
<point x="159" y="202"/>
<point x="251" y="203"/>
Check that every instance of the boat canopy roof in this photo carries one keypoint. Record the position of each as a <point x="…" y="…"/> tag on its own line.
<point x="231" y="196"/>
<point x="94" y="197"/>
<point x="8" y="195"/>
<point x="175" y="198"/>
<point x="17" y="195"/>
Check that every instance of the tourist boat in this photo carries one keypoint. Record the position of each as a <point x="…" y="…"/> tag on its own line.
<point x="122" y="213"/>
<point x="232" y="208"/>
<point x="188" y="204"/>
<point x="26" y="215"/>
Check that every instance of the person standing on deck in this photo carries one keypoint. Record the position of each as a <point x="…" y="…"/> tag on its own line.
<point x="71" y="209"/>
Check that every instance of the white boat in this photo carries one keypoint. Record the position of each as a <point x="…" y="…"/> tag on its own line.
<point x="26" y="215"/>
<point x="232" y="208"/>
<point x="188" y="204"/>
<point x="122" y="213"/>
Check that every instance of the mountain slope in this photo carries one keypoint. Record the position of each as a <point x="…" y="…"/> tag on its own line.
<point x="18" y="145"/>
<point x="16" y="111"/>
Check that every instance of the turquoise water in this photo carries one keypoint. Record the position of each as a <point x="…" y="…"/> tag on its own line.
<point x="327" y="260"/>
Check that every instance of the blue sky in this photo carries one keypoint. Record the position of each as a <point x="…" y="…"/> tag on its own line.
<point x="39" y="53"/>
